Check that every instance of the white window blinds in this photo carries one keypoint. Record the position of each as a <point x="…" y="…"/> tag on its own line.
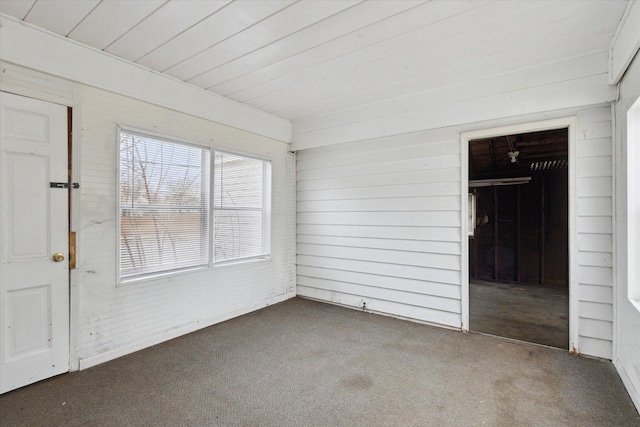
<point x="241" y="207"/>
<point x="164" y="205"/>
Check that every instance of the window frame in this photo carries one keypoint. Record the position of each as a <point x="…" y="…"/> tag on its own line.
<point x="267" y="192"/>
<point x="169" y="139"/>
<point x="267" y="186"/>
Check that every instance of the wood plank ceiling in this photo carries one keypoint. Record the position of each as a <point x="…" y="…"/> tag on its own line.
<point x="301" y="59"/>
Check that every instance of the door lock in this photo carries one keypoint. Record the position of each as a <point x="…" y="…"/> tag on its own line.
<point x="58" y="257"/>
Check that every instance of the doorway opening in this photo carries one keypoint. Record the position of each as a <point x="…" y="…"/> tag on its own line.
<point x="519" y="236"/>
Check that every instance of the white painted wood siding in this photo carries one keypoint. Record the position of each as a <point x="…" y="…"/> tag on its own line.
<point x="595" y="231"/>
<point x="379" y="223"/>
<point x="112" y="320"/>
<point x="627" y="315"/>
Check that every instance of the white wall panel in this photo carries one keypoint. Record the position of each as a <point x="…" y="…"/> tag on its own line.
<point x="379" y="224"/>
<point x="594" y="172"/>
<point x="379" y="220"/>
<point x="113" y="320"/>
<point x="627" y="315"/>
<point x="112" y="317"/>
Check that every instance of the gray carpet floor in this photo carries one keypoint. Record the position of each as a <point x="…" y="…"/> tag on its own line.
<point x="303" y="363"/>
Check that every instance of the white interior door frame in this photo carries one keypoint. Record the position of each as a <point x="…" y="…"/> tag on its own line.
<point x="559" y="123"/>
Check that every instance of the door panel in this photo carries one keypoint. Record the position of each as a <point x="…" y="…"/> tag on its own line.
<point x="34" y="289"/>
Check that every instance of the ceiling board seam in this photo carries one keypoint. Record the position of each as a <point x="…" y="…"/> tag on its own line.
<point x="231" y="35"/>
<point x="184" y="31"/>
<point x="136" y="24"/>
<point x="317" y="90"/>
<point x="30" y="9"/>
<point x="275" y="41"/>
<point x="312" y="47"/>
<point x="284" y="76"/>
<point x="83" y="19"/>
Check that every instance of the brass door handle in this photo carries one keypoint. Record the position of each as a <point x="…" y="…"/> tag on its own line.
<point x="58" y="257"/>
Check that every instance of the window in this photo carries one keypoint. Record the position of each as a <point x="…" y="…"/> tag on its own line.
<point x="164" y="205"/>
<point x="241" y="207"/>
<point x="166" y="223"/>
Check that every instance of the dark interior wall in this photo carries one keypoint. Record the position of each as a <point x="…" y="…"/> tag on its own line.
<point x="521" y="231"/>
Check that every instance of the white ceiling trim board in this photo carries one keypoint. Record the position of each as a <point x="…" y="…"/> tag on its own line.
<point x="391" y="81"/>
<point x="32" y="47"/>
<point x="528" y="77"/>
<point x="626" y="43"/>
<point x="556" y="96"/>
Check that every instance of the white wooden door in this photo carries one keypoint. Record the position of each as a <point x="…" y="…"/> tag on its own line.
<point x="34" y="289"/>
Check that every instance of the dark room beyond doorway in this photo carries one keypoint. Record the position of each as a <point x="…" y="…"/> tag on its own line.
<point x="518" y="246"/>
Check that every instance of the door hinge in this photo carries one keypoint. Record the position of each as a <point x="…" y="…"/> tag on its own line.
<point x="72" y="250"/>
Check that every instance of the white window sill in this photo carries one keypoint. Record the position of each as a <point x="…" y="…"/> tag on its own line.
<point x="167" y="276"/>
<point x="235" y="262"/>
<point x="635" y="303"/>
<point x="158" y="276"/>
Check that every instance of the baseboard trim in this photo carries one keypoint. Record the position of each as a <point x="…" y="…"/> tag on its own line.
<point x="381" y="313"/>
<point x="158" y="338"/>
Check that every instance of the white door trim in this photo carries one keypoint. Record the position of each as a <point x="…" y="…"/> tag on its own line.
<point x="74" y="225"/>
<point x="465" y="137"/>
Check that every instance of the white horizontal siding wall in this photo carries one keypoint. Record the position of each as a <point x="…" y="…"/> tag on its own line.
<point x="595" y="231"/>
<point x="113" y="317"/>
<point x="109" y="320"/>
<point x="627" y="315"/>
<point x="379" y="223"/>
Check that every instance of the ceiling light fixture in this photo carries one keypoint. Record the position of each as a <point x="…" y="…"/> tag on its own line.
<point x="513" y="155"/>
